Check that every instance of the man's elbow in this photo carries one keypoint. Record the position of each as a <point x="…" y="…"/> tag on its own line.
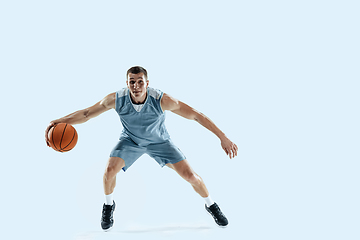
<point x="86" y="115"/>
<point x="197" y="116"/>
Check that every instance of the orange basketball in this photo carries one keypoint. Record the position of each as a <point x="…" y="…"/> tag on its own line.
<point x="62" y="137"/>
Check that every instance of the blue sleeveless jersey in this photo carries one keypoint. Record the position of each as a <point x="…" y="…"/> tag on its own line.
<point x="146" y="126"/>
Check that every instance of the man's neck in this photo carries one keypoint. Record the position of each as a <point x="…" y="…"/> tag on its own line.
<point x="138" y="101"/>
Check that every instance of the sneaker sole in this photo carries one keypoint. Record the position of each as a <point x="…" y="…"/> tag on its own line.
<point x="214" y="220"/>
<point x="107" y="230"/>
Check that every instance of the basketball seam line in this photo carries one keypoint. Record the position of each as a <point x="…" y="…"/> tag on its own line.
<point x="62" y="136"/>
<point x="52" y="138"/>
<point x="69" y="142"/>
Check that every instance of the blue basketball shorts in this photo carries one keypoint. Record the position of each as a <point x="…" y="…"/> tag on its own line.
<point x="164" y="153"/>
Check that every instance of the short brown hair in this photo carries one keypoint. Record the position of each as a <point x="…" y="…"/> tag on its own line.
<point x="136" y="70"/>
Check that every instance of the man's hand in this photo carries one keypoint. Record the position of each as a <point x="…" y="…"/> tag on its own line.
<point x="84" y="115"/>
<point x="229" y="147"/>
<point x="52" y="124"/>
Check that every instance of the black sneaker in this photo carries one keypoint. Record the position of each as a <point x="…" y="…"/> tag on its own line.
<point x="218" y="216"/>
<point x="107" y="220"/>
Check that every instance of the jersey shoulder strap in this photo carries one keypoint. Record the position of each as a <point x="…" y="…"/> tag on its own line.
<point x="155" y="96"/>
<point x="155" y="93"/>
<point x="120" y="99"/>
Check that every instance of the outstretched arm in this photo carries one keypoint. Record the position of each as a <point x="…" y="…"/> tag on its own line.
<point x="184" y="110"/>
<point x="84" y="115"/>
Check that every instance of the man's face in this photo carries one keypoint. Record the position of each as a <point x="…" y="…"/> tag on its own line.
<point x="137" y="84"/>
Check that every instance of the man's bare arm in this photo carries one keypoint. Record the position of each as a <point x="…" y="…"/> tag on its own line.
<point x="84" y="115"/>
<point x="184" y="110"/>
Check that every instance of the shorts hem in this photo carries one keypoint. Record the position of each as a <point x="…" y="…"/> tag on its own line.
<point x="124" y="168"/>
<point x="170" y="162"/>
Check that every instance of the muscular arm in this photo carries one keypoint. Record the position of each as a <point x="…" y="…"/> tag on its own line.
<point x="86" y="114"/>
<point x="184" y="110"/>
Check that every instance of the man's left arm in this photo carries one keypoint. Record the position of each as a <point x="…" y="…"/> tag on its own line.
<point x="184" y="110"/>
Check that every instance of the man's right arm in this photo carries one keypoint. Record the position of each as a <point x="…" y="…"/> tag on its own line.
<point x="86" y="114"/>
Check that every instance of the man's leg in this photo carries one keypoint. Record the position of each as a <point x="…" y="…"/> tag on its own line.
<point x="184" y="169"/>
<point x="113" y="167"/>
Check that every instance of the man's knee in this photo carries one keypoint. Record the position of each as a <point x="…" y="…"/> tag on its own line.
<point x="115" y="164"/>
<point x="110" y="172"/>
<point x="191" y="177"/>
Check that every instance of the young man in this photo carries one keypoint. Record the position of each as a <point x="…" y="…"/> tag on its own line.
<point x="141" y="110"/>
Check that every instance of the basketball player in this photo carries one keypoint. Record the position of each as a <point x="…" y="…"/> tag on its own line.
<point x="142" y="114"/>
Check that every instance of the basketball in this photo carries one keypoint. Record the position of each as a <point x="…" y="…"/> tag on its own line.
<point x="62" y="137"/>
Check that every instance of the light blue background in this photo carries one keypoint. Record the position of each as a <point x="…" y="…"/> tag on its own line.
<point x="280" y="78"/>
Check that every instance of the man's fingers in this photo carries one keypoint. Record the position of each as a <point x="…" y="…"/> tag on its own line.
<point x="230" y="149"/>
<point x="235" y="150"/>
<point x="52" y="124"/>
<point x="226" y="151"/>
<point x="230" y="153"/>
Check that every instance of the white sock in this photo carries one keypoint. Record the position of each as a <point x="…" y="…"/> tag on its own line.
<point x="208" y="201"/>
<point x="109" y="199"/>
